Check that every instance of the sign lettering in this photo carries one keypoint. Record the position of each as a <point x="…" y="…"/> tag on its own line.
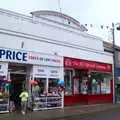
<point x="84" y="64"/>
<point x="13" y="55"/>
<point x="10" y="55"/>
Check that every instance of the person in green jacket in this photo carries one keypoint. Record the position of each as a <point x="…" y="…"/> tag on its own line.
<point x="24" y="98"/>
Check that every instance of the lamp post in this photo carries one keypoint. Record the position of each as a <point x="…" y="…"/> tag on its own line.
<point x="114" y="63"/>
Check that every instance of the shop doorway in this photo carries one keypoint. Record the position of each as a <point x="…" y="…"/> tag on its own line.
<point x="18" y="83"/>
<point x="18" y="76"/>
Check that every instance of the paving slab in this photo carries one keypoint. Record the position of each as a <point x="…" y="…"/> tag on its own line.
<point x="59" y="113"/>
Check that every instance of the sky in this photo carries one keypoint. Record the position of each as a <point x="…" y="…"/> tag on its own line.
<point x="95" y="12"/>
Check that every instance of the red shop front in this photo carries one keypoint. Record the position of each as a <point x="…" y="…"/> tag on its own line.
<point x="87" y="81"/>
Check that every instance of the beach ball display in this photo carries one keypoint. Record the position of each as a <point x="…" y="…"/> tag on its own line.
<point x="61" y="82"/>
<point x="6" y="85"/>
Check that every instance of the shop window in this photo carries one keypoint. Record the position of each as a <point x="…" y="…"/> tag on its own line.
<point x="84" y="85"/>
<point x="47" y="88"/>
<point x="87" y="82"/>
<point x="95" y="83"/>
<point x="42" y="83"/>
<point x="52" y="86"/>
<point x="83" y="81"/>
<point x="76" y="81"/>
<point x="68" y="82"/>
<point x="105" y="83"/>
<point x="100" y="83"/>
<point x="76" y="85"/>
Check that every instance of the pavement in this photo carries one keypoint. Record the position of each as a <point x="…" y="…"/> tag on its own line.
<point x="55" y="114"/>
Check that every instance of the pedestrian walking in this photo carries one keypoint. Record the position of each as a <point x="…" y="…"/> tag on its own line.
<point x="24" y="98"/>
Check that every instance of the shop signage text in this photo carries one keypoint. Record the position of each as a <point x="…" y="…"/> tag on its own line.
<point x="53" y="72"/>
<point x="39" y="71"/>
<point x="10" y="55"/>
<point x="13" y="55"/>
<point x="46" y="72"/>
<point x="84" y="64"/>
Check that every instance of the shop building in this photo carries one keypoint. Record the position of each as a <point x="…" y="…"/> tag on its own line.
<point x="89" y="81"/>
<point x="48" y="47"/>
<point x="22" y="66"/>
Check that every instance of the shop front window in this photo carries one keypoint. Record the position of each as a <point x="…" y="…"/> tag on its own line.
<point x="95" y="82"/>
<point x="52" y="86"/>
<point x="105" y="84"/>
<point x="87" y="82"/>
<point x="100" y="83"/>
<point x="42" y="85"/>
<point x="84" y="85"/>
<point x="68" y="82"/>
<point x="76" y="85"/>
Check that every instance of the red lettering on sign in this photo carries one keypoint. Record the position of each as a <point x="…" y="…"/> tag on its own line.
<point x="55" y="60"/>
<point x="40" y="70"/>
<point x="84" y="64"/>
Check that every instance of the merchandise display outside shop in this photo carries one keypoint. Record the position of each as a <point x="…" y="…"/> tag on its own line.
<point x="46" y="89"/>
<point x="4" y="88"/>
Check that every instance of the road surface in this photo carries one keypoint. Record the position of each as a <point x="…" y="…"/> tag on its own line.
<point x="113" y="114"/>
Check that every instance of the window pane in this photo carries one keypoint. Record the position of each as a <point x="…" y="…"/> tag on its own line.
<point x="42" y="85"/>
<point x="84" y="86"/>
<point x="52" y="86"/>
<point x="76" y="86"/>
<point x="96" y="78"/>
<point x="105" y="84"/>
<point x="68" y="82"/>
<point x="84" y="82"/>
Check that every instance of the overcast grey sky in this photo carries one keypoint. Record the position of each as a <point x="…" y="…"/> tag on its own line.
<point x="96" y="12"/>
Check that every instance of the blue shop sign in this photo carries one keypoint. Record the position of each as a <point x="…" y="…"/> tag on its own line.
<point x="118" y="72"/>
<point x="13" y="55"/>
<point x="20" y="56"/>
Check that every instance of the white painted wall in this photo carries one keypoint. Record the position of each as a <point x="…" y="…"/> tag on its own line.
<point x="51" y="31"/>
<point x="49" y="38"/>
<point x="50" y="48"/>
<point x="60" y="20"/>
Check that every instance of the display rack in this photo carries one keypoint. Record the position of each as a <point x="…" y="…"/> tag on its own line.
<point x="49" y="102"/>
<point x="4" y="105"/>
<point x="45" y="87"/>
